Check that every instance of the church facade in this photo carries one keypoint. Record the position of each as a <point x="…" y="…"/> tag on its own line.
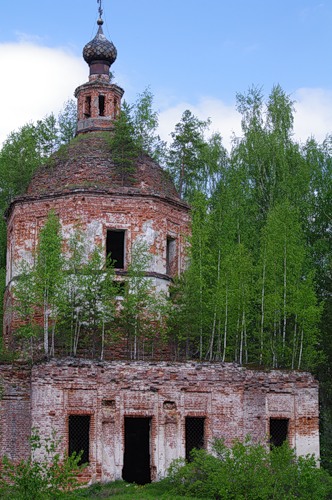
<point x="130" y="418"/>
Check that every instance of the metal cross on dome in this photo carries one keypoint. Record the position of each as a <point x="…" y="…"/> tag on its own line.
<point x="100" y="8"/>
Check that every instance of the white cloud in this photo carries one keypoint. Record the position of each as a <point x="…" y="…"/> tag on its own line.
<point x="313" y="116"/>
<point x="35" y="81"/>
<point x="224" y="117"/>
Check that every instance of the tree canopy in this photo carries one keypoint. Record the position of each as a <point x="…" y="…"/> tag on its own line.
<point x="258" y="288"/>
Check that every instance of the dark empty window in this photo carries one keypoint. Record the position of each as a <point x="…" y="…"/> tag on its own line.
<point x="171" y="261"/>
<point x="278" y="431"/>
<point x="115" y="245"/>
<point x="101" y="105"/>
<point x="79" y="439"/>
<point x="194" y="434"/>
<point x="87" y="106"/>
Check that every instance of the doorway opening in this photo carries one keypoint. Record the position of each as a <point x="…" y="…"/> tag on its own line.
<point x="136" y="464"/>
<point x="194" y="434"/>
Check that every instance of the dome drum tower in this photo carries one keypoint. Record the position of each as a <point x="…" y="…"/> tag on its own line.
<point x="85" y="188"/>
<point x="98" y="104"/>
<point x="98" y="100"/>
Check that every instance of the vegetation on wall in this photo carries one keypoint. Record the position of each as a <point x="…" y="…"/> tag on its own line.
<point x="250" y="292"/>
<point x="259" y="283"/>
<point x="22" y="152"/>
<point x="70" y="299"/>
<point x="258" y="288"/>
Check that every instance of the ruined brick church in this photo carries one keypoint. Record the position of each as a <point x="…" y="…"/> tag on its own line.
<point x="130" y="418"/>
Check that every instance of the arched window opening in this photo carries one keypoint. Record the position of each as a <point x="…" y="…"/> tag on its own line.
<point x="101" y="105"/>
<point x="87" y="106"/>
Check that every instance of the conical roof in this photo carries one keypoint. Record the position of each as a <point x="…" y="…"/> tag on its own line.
<point x="86" y="164"/>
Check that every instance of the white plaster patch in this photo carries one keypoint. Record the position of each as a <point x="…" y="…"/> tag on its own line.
<point x="307" y="445"/>
<point x="67" y="231"/>
<point x="25" y="257"/>
<point x="149" y="234"/>
<point x="94" y="231"/>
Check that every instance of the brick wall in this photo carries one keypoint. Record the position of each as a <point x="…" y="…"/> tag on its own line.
<point x="146" y="218"/>
<point x="88" y="110"/>
<point x="234" y="401"/>
<point x="15" y="411"/>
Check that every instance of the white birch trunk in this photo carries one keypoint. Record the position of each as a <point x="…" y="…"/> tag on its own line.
<point x="294" y="343"/>
<point x="284" y="299"/>
<point x="45" y="324"/>
<point x="262" y="311"/>
<point x="210" y="351"/>
<point x="301" y="350"/>
<point x="225" y="325"/>
<point x="102" y="340"/>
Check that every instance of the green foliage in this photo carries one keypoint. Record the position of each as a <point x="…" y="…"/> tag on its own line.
<point x="67" y="122"/>
<point x="41" y="286"/>
<point x="145" y="121"/>
<point x="75" y="293"/>
<point x="26" y="149"/>
<point x="120" y="490"/>
<point x="250" y="292"/>
<point x="77" y="296"/>
<point x="47" y="133"/>
<point x="273" y="162"/>
<point x="247" y="304"/>
<point x="288" y="291"/>
<point x="134" y="134"/>
<point x="19" y="157"/>
<point x="89" y="307"/>
<point x="124" y="146"/>
<point x="141" y="311"/>
<point x="250" y="471"/>
<point x="194" y="162"/>
<point x="47" y="474"/>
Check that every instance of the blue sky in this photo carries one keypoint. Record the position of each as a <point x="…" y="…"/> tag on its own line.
<point x="192" y="53"/>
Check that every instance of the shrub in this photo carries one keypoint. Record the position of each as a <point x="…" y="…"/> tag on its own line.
<point x="53" y="476"/>
<point x="250" y="471"/>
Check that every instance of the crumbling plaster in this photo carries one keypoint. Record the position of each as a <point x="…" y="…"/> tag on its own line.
<point x="235" y="402"/>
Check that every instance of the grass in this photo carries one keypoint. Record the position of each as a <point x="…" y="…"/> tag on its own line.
<point x="120" y="490"/>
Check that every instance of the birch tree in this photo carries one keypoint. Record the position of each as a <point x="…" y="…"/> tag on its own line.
<point x="288" y="301"/>
<point x="140" y="313"/>
<point x="185" y="156"/>
<point x="49" y="276"/>
<point x="38" y="290"/>
<point x="145" y="121"/>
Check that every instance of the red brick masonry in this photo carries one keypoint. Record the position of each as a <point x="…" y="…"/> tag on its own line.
<point x="234" y="401"/>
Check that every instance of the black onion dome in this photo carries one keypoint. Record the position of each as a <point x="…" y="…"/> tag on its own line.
<point x="99" y="49"/>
